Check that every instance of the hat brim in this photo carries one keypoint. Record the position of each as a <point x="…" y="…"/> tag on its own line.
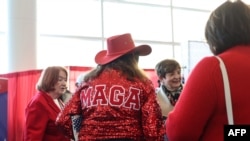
<point x="102" y="58"/>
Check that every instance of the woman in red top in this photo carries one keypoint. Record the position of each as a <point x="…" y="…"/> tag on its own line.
<point x="117" y="101"/>
<point x="42" y="110"/>
<point x="200" y="113"/>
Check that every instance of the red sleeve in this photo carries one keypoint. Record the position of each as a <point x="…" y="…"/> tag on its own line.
<point x="73" y="107"/>
<point x="196" y="103"/>
<point x="152" y="118"/>
<point x="36" y="122"/>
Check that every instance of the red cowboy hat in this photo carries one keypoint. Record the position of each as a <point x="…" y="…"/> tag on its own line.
<point x="120" y="45"/>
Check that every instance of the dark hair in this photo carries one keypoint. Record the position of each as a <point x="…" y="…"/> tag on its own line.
<point x="166" y="66"/>
<point x="49" y="77"/>
<point x="228" y="26"/>
<point x="126" y="64"/>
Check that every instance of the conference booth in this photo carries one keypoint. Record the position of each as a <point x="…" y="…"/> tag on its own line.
<point x="16" y="90"/>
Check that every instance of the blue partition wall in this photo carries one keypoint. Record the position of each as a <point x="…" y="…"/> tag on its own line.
<point x="3" y="109"/>
<point x="3" y="116"/>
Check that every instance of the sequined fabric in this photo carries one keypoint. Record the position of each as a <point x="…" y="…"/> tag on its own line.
<point x="113" y="107"/>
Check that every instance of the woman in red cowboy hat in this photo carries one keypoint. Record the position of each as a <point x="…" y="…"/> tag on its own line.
<point x="117" y="101"/>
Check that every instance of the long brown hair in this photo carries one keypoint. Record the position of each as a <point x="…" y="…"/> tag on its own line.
<point x="126" y="64"/>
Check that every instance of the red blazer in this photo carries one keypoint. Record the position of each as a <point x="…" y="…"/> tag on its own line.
<point x="41" y="114"/>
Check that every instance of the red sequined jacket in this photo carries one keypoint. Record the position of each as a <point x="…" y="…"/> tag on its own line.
<point x="113" y="107"/>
